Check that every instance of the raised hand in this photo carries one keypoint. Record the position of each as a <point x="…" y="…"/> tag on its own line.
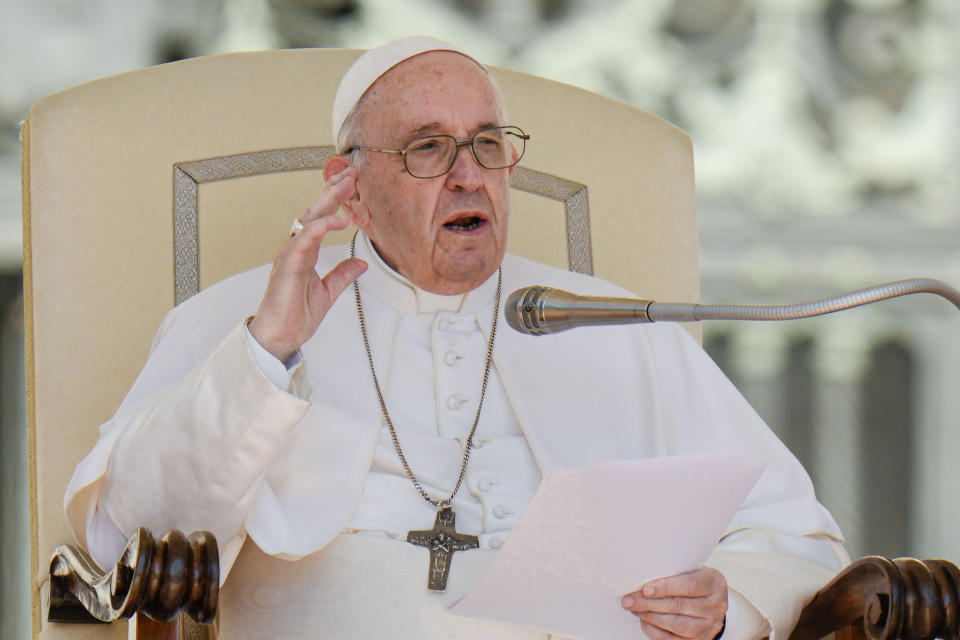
<point x="688" y="605"/>
<point x="297" y="298"/>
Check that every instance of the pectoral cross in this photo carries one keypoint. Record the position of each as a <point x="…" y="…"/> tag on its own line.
<point x="443" y="540"/>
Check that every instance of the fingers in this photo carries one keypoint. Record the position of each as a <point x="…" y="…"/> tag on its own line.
<point x="683" y="626"/>
<point x="674" y="606"/>
<point x="292" y="308"/>
<point x="677" y="628"/>
<point x="666" y="626"/>
<point x="314" y="230"/>
<point x="338" y="189"/>
<point x="318" y="220"/>
<point x="663" y="626"/>
<point x="656" y="633"/>
<point x="300" y="252"/>
<point x="342" y="275"/>
<point x="688" y="605"/>
<point x="695" y="584"/>
<point x="297" y="298"/>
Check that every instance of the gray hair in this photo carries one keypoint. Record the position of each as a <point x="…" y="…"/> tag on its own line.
<point x="350" y="135"/>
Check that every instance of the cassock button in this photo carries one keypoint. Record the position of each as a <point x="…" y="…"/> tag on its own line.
<point x="456" y="401"/>
<point x="444" y="324"/>
<point x="451" y="358"/>
<point x="496" y="543"/>
<point x="484" y="485"/>
<point x="499" y="512"/>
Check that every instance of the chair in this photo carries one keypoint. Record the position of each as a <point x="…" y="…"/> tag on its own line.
<point x="143" y="188"/>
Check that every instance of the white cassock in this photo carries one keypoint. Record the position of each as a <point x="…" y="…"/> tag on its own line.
<point x="213" y="435"/>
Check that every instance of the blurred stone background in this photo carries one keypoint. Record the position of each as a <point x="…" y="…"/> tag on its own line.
<point x="826" y="141"/>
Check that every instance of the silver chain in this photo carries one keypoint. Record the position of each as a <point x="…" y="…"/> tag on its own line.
<point x="383" y="405"/>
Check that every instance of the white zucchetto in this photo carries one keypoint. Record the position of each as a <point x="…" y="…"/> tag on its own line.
<point x="374" y="63"/>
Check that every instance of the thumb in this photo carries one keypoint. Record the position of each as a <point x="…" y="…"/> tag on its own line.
<point x="340" y="277"/>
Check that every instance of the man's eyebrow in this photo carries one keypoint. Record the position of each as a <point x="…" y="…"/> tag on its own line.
<point x="425" y="129"/>
<point x="428" y="129"/>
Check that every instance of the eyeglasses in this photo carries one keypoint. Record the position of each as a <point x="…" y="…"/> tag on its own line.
<point x="432" y="156"/>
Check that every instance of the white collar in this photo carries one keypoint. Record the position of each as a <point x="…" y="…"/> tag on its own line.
<point x="388" y="286"/>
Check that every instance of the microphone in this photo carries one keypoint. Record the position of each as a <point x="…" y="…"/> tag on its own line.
<point x="538" y="310"/>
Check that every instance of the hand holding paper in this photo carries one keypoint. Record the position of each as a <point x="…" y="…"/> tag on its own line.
<point x="592" y="535"/>
<point x="689" y="605"/>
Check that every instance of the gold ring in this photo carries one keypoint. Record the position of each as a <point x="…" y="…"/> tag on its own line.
<point x="296" y="227"/>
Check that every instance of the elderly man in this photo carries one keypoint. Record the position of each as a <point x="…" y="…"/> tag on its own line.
<point x="331" y="428"/>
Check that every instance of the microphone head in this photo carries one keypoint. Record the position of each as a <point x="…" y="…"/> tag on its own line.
<point x="521" y="308"/>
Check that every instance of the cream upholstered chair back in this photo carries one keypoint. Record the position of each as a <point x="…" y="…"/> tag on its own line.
<point x="142" y="188"/>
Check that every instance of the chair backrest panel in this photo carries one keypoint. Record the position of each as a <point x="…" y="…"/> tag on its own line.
<point x="100" y="197"/>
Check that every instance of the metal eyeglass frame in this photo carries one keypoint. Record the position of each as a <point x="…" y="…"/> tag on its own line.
<point x="453" y="157"/>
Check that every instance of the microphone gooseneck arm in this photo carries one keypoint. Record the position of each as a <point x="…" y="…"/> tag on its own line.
<point x="695" y="312"/>
<point x="540" y="310"/>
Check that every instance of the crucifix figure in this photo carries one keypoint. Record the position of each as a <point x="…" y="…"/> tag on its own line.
<point x="443" y="540"/>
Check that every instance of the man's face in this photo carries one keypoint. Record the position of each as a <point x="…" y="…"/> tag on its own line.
<point x="445" y="234"/>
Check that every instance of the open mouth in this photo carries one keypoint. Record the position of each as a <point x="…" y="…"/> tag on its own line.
<point x="466" y="223"/>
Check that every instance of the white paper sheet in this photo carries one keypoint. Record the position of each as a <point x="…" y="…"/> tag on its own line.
<point x="592" y="535"/>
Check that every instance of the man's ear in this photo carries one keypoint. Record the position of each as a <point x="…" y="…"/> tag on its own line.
<point x="353" y="206"/>
<point x="516" y="157"/>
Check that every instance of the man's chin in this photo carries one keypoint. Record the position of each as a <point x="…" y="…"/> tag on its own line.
<point x="461" y="276"/>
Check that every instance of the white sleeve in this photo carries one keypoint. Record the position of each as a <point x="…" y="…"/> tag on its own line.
<point x="188" y="456"/>
<point x="105" y="541"/>
<point x="782" y="545"/>
<point x="773" y="574"/>
<point x="743" y="620"/>
<point x="278" y="372"/>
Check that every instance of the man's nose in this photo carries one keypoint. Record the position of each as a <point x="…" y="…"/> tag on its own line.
<point x="465" y="174"/>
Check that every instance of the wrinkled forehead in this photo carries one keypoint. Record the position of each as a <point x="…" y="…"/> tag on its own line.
<point x="432" y="72"/>
<point x="437" y="92"/>
<point x="379" y="86"/>
<point x="430" y="66"/>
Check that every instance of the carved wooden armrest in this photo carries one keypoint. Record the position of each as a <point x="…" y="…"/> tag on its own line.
<point x="882" y="599"/>
<point x="160" y="578"/>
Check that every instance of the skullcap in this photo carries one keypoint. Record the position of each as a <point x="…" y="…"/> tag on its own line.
<point x="375" y="62"/>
